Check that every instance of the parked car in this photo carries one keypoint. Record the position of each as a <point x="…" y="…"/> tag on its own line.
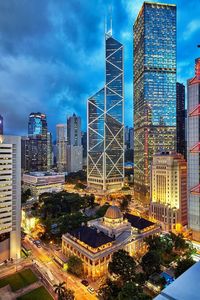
<point x="85" y="282"/>
<point x="90" y="290"/>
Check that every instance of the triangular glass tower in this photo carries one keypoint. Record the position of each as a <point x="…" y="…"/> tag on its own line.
<point x="105" y="165"/>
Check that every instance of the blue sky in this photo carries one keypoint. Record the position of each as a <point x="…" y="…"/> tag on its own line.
<point x="52" y="55"/>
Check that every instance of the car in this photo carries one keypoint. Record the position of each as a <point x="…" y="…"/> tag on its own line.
<point x="90" y="290"/>
<point x="85" y="282"/>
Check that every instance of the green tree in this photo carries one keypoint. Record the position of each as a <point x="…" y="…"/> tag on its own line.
<point x="151" y="262"/>
<point x="68" y="295"/>
<point x="183" y="265"/>
<point x="109" y="290"/>
<point x="124" y="205"/>
<point x="131" y="291"/>
<point x="123" y="264"/>
<point x="75" y="265"/>
<point x="59" y="289"/>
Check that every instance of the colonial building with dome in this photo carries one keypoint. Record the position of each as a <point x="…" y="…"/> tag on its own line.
<point x="95" y="242"/>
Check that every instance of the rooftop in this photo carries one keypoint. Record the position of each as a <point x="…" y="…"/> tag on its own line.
<point x="113" y="212"/>
<point x="185" y="287"/>
<point x="138" y="222"/>
<point x="91" y="237"/>
<point x="41" y="174"/>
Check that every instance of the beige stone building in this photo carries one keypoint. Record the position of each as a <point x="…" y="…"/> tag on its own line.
<point x="95" y="242"/>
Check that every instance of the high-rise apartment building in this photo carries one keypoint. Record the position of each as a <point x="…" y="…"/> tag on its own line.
<point x="154" y="89"/>
<point x="37" y="133"/>
<point x="169" y="190"/>
<point x="61" y="144"/>
<point x="193" y="151"/>
<point x="105" y="167"/>
<point x="1" y="125"/>
<point x="74" y="145"/>
<point x="10" y="197"/>
<point x="180" y="119"/>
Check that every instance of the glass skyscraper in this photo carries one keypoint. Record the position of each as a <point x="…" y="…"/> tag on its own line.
<point x="193" y="152"/>
<point x="154" y="89"/>
<point x="105" y="165"/>
<point x="1" y="125"/>
<point x="37" y="133"/>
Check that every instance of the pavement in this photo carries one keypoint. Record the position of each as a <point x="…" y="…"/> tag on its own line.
<point x="43" y="260"/>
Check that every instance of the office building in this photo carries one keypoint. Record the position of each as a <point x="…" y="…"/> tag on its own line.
<point x="61" y="144"/>
<point x="169" y="191"/>
<point x="180" y="119"/>
<point x="37" y="133"/>
<point x="25" y="160"/>
<point x="41" y="182"/>
<point x="74" y="130"/>
<point x="1" y="125"/>
<point x="74" y="145"/>
<point x="154" y="89"/>
<point x="193" y="150"/>
<point x="131" y="138"/>
<point x="10" y="197"/>
<point x="49" y="151"/>
<point x="105" y="167"/>
<point x="95" y="242"/>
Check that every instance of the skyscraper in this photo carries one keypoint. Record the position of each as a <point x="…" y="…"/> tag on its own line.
<point x="154" y="89"/>
<point x="74" y="146"/>
<point x="10" y="195"/>
<point x="169" y="190"/>
<point x="61" y="144"/>
<point x="193" y="151"/>
<point x="37" y="132"/>
<point x="180" y="119"/>
<point x="49" y="151"/>
<point x="1" y="125"/>
<point x="105" y="167"/>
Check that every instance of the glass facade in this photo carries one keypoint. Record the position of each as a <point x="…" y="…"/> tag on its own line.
<point x="37" y="132"/>
<point x="1" y="125"/>
<point x="106" y="124"/>
<point x="154" y="88"/>
<point x="193" y="151"/>
<point x="180" y="119"/>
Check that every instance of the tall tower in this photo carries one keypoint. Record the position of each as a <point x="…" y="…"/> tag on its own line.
<point x="1" y="125"/>
<point x="180" y="119"/>
<point x="10" y="195"/>
<point x="37" y="133"/>
<point x="74" y="145"/>
<point x="154" y="89"/>
<point x="193" y="151"/>
<point x="61" y="143"/>
<point x="105" y="156"/>
<point x="49" y="151"/>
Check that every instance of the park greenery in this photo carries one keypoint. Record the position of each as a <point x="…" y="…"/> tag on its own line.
<point x="75" y="177"/>
<point x="75" y="265"/>
<point x="62" y="292"/>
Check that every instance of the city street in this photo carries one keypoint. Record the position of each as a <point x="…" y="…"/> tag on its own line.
<point x="43" y="258"/>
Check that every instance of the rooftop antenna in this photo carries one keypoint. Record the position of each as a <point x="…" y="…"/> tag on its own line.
<point x="109" y="31"/>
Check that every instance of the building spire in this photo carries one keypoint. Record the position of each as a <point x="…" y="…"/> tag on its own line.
<point x="108" y="31"/>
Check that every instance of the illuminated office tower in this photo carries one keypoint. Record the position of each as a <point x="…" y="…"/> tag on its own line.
<point x="74" y="130"/>
<point x="169" y="190"/>
<point x="61" y="145"/>
<point x="105" y="166"/>
<point x="1" y="125"/>
<point x="37" y="133"/>
<point x="10" y="197"/>
<point x="154" y="89"/>
<point x="193" y="151"/>
<point x="180" y="119"/>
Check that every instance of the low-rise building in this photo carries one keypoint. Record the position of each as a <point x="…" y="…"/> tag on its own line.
<point x="95" y="242"/>
<point x="41" y="182"/>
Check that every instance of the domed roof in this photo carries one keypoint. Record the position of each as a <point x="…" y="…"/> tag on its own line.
<point x="113" y="212"/>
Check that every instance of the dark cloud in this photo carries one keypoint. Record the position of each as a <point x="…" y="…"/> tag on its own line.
<point x="52" y="54"/>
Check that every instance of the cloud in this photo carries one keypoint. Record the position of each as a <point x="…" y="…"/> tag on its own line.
<point x="191" y="28"/>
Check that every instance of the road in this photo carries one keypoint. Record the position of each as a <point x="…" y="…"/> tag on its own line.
<point x="43" y="257"/>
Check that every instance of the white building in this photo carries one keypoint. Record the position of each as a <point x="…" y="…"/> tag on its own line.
<point x="10" y="197"/>
<point x="41" y="182"/>
<point x="74" y="158"/>
<point x="169" y="190"/>
<point x="95" y="242"/>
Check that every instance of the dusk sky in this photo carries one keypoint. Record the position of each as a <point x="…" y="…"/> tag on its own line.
<point x="52" y="55"/>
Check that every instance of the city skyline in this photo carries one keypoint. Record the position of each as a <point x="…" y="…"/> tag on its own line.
<point x="62" y="83"/>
